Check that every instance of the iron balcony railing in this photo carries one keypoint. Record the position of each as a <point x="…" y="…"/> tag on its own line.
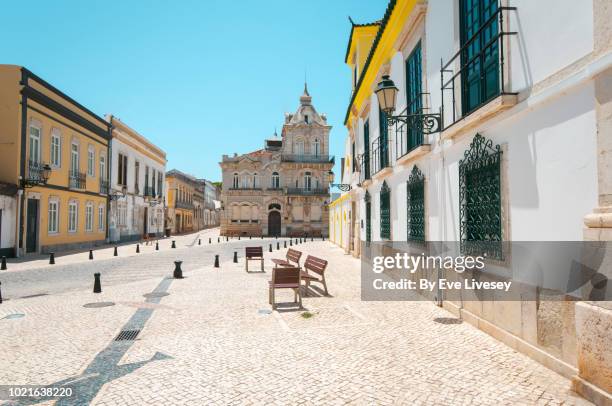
<point x="308" y="158"/>
<point x="364" y="166"/>
<point x="77" y="180"/>
<point x="245" y="188"/>
<point x="307" y="191"/>
<point x="184" y="205"/>
<point x="407" y="137"/>
<point x="481" y="74"/>
<point x="104" y="187"/>
<point x="35" y="171"/>
<point x="149" y="191"/>
<point x="379" y="155"/>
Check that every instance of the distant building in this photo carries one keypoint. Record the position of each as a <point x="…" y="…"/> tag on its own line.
<point x="138" y="168"/>
<point x="281" y="189"/>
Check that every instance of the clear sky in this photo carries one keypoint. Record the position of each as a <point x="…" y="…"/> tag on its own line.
<point x="198" y="78"/>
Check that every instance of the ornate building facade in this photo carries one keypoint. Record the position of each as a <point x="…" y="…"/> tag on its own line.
<point x="281" y="189"/>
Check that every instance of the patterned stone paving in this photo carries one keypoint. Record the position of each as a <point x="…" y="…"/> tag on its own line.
<point x="208" y="343"/>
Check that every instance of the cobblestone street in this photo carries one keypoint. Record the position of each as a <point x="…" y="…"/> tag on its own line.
<point x="212" y="340"/>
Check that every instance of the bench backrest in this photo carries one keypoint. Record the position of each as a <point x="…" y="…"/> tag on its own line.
<point x="315" y="264"/>
<point x="294" y="256"/>
<point x="254" y="252"/>
<point x="283" y="274"/>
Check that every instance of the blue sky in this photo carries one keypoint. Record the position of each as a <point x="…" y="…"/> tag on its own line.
<point x="198" y="78"/>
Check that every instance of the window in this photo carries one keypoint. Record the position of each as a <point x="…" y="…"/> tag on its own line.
<point x="102" y="167"/>
<point x="137" y="177"/>
<point x="245" y="181"/>
<point x="34" y="144"/>
<point x="153" y="182"/>
<point x="414" y="103"/>
<point x="299" y="147"/>
<point x="415" y="194"/>
<point x="122" y="209"/>
<point x="101" y="218"/>
<point x="255" y="180"/>
<point x="307" y="180"/>
<point x="160" y="178"/>
<point x="383" y="144"/>
<point x="89" y="217"/>
<point x="354" y="166"/>
<point x="73" y="211"/>
<point x="53" y="217"/>
<point x="275" y="180"/>
<point x="368" y="210"/>
<point x="306" y="118"/>
<point x="56" y="148"/>
<point x="91" y="160"/>
<point x="480" y="226"/>
<point x="316" y="147"/>
<point x="385" y="212"/>
<point x="122" y="172"/>
<point x="235" y="181"/>
<point x="74" y="159"/>
<point x="480" y="53"/>
<point x="366" y="150"/>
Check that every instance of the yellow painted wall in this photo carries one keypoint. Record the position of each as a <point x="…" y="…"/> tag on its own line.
<point x="10" y="116"/>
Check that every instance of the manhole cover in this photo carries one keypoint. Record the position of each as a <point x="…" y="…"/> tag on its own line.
<point x="264" y="311"/>
<point x="14" y="316"/>
<point x="447" y="320"/>
<point x="98" y="304"/>
<point x="155" y="294"/>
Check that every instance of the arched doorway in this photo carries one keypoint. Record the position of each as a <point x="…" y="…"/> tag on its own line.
<point x="274" y="223"/>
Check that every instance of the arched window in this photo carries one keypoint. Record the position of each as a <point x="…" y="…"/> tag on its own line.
<point x="275" y="180"/>
<point x="245" y="181"/>
<point x="385" y="212"/>
<point x="274" y="206"/>
<point x="235" y="182"/>
<point x="255" y="180"/>
<point x="299" y="147"/>
<point x="307" y="181"/>
<point x="415" y="193"/>
<point x="316" y="147"/>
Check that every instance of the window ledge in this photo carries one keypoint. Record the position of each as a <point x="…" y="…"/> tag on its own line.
<point x="487" y="111"/>
<point x="382" y="173"/>
<point x="414" y="154"/>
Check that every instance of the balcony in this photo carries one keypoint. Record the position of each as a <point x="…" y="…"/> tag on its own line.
<point x="364" y="167"/>
<point x="35" y="172"/>
<point x="300" y="191"/>
<point x="104" y="187"/>
<point x="184" y="205"/>
<point x="307" y="158"/>
<point x="149" y="191"/>
<point x="475" y="75"/>
<point x="77" y="180"/>
<point x="379" y="157"/>
<point x="409" y="143"/>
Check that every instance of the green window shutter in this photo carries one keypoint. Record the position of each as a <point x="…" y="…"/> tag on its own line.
<point x="480" y="199"/>
<point x="414" y="101"/>
<point x="368" y="206"/>
<point x="480" y="53"/>
<point x="383" y="140"/>
<point x="366" y="149"/>
<point x="415" y="194"/>
<point x="385" y="212"/>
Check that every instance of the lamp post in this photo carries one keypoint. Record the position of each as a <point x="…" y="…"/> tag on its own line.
<point x="386" y="93"/>
<point x="117" y="195"/>
<point x="41" y="179"/>
<point x="345" y="187"/>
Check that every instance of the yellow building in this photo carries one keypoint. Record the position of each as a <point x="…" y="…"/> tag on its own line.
<point x="180" y="208"/>
<point x="45" y="133"/>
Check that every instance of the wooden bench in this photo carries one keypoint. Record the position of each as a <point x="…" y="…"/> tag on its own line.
<point x="253" y="254"/>
<point x="292" y="258"/>
<point x="317" y="266"/>
<point x="285" y="278"/>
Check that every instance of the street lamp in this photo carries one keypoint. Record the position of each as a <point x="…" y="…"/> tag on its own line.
<point x="116" y="195"/>
<point x="386" y="93"/>
<point x="41" y="178"/>
<point x="345" y="187"/>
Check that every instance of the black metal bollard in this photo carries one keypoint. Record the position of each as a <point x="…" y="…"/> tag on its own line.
<point x="311" y="239"/>
<point x="115" y="252"/>
<point x="97" y="283"/>
<point x="270" y="248"/>
<point x="291" y="243"/>
<point x="285" y="244"/>
<point x="178" y="272"/>
<point x="235" y="257"/>
<point x="277" y="245"/>
<point x="296" y="241"/>
<point x="0" y="292"/>
<point x="51" y="258"/>
<point x="218" y="239"/>
<point x="226" y="238"/>
<point x="199" y="241"/>
<point x="250" y="237"/>
<point x="216" y="261"/>
<point x="138" y="248"/>
<point x="209" y="240"/>
<point x="173" y="244"/>
<point x="90" y="255"/>
<point x="156" y="245"/>
<point x="3" y="266"/>
<point x="238" y="238"/>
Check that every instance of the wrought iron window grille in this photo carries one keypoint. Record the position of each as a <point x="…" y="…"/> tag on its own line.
<point x="480" y="209"/>
<point x="385" y="211"/>
<point x="368" y="208"/>
<point x="415" y="192"/>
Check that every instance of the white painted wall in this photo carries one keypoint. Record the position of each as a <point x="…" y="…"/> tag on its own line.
<point x="8" y="205"/>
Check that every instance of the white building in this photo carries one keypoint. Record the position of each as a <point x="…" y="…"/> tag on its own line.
<point x="8" y="216"/>
<point x="524" y="89"/>
<point x="138" y="170"/>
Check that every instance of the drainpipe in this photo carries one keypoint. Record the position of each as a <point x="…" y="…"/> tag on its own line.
<point x="24" y="120"/>
<point x="18" y="222"/>
<point x="109" y="172"/>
